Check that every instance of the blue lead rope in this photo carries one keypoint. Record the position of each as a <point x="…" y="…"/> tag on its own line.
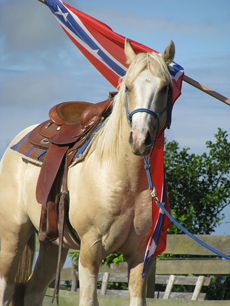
<point x="190" y="234"/>
<point x="147" y="168"/>
<point x="153" y="194"/>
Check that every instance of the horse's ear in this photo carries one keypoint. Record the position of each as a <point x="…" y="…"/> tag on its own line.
<point x="169" y="53"/>
<point x="130" y="54"/>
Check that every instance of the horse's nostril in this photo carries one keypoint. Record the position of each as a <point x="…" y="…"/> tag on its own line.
<point x="131" y="137"/>
<point x="148" y="139"/>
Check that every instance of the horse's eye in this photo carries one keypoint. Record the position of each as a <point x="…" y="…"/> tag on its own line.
<point x="164" y="89"/>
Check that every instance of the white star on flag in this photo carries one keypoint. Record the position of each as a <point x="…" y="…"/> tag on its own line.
<point x="64" y="15"/>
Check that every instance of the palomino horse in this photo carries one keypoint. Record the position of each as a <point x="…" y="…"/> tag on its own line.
<point x="110" y="204"/>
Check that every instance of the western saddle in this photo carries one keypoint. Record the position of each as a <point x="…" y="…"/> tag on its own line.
<point x="69" y="127"/>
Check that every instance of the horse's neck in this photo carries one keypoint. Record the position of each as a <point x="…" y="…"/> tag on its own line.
<point x="113" y="141"/>
<point x="112" y="148"/>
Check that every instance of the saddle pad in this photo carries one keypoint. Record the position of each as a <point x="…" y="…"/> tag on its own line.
<point x="28" y="150"/>
<point x="35" y="154"/>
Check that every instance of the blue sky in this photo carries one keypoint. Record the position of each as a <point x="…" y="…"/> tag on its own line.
<point x="40" y="66"/>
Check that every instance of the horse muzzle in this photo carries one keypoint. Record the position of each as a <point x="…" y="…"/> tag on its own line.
<point x="140" y="142"/>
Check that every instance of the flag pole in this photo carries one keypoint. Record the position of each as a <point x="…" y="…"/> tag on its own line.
<point x="206" y="90"/>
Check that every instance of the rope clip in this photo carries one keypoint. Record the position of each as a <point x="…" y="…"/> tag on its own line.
<point x="154" y="194"/>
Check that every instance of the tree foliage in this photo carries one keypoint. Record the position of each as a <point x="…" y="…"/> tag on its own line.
<point x="198" y="185"/>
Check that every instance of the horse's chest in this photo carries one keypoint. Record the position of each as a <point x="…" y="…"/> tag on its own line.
<point x="114" y="205"/>
<point x="142" y="221"/>
<point x="130" y="214"/>
<point x="131" y="222"/>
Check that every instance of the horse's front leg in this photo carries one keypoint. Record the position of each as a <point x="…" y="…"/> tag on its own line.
<point x="137" y="285"/>
<point x="90" y="259"/>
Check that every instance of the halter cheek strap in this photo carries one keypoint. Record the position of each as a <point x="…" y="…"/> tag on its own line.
<point x="169" y="119"/>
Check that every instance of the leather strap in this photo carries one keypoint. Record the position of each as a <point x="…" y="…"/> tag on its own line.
<point x="63" y="203"/>
<point x="43" y="223"/>
<point x="48" y="229"/>
<point x="49" y="172"/>
<point x="51" y="227"/>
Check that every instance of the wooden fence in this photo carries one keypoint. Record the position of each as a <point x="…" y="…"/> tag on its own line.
<point x="169" y="271"/>
<point x="194" y="271"/>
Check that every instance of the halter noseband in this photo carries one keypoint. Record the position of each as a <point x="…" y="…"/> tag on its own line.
<point x="149" y="111"/>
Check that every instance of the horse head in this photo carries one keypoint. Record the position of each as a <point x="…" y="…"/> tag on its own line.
<point x="148" y="96"/>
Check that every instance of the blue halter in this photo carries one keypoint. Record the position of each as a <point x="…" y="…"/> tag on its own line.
<point x="148" y="111"/>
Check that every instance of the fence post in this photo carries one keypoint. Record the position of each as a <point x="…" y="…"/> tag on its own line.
<point x="199" y="284"/>
<point x="169" y="286"/>
<point x="151" y="281"/>
<point x="104" y="284"/>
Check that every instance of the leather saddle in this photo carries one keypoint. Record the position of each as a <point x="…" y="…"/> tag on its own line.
<point x="69" y="126"/>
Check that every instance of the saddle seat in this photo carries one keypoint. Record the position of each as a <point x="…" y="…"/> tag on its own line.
<point x="68" y="112"/>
